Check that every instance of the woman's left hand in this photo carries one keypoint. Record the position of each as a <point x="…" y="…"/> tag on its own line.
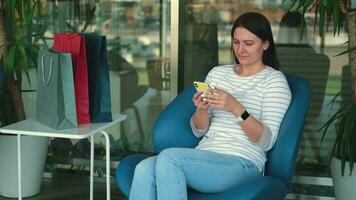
<point x="221" y="99"/>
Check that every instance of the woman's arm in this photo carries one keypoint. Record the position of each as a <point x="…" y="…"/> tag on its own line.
<point x="200" y="119"/>
<point x="275" y="103"/>
<point x="251" y="126"/>
<point x="221" y="99"/>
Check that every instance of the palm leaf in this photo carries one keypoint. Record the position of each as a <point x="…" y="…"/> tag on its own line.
<point x="32" y="53"/>
<point x="327" y="124"/>
<point x="326" y="12"/>
<point x="345" y="143"/>
<point x="347" y="139"/>
<point x="333" y="101"/>
<point x="292" y="4"/>
<point x="18" y="79"/>
<point x="19" y="9"/>
<point x="342" y="147"/>
<point x="334" y="117"/>
<point x="23" y="66"/>
<point x="347" y="51"/>
<point x="29" y="17"/>
<point x="301" y="4"/>
<point x="321" y="10"/>
<point x="337" y="116"/>
<point x="336" y="18"/>
<point x="10" y="60"/>
<point x="338" y="137"/>
<point x="352" y="155"/>
<point x="10" y="17"/>
<point x="352" y="138"/>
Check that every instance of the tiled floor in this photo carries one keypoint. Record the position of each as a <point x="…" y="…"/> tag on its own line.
<point x="72" y="187"/>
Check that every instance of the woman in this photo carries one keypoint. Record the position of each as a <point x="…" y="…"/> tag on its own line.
<point x="238" y="118"/>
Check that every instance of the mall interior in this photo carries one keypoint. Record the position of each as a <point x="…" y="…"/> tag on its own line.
<point x="156" y="49"/>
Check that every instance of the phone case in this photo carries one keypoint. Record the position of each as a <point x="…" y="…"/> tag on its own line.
<point x="201" y="86"/>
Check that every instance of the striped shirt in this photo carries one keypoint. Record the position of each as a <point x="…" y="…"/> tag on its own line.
<point x="265" y="95"/>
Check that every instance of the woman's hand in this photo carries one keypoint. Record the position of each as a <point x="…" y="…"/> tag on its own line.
<point x="220" y="99"/>
<point x="199" y="102"/>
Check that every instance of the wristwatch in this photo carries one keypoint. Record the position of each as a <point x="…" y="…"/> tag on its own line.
<point x="243" y="116"/>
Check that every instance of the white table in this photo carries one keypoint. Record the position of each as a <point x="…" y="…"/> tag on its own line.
<point x="33" y="128"/>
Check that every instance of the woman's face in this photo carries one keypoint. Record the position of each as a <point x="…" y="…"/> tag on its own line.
<point x="248" y="47"/>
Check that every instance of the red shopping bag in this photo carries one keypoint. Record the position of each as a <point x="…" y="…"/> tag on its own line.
<point x="75" y="45"/>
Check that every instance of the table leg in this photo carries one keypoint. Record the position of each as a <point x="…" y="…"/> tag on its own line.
<point x="107" y="143"/>
<point x="19" y="175"/>
<point x="91" y="167"/>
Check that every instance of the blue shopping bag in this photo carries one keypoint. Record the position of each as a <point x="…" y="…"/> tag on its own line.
<point x="98" y="78"/>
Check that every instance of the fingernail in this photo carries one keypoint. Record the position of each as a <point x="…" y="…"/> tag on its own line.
<point x="204" y="99"/>
<point x="202" y="95"/>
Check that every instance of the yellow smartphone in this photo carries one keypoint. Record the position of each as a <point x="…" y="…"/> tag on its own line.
<point x="201" y="86"/>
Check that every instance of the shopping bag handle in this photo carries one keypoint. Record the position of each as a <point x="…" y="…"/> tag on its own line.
<point x="50" y="71"/>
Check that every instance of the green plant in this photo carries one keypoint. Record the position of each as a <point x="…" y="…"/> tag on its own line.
<point x="338" y="12"/>
<point x="344" y="146"/>
<point x="18" y="54"/>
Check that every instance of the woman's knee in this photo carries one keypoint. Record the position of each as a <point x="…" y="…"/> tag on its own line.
<point x="173" y="156"/>
<point x="146" y="166"/>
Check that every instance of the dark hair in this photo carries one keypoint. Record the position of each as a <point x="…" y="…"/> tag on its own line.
<point x="257" y="24"/>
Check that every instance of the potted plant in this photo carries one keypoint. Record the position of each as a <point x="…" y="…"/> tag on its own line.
<point x="343" y="154"/>
<point x="18" y="53"/>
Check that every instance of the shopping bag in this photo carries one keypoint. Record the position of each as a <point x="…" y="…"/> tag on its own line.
<point x="55" y="90"/>
<point x="98" y="77"/>
<point x="75" y="45"/>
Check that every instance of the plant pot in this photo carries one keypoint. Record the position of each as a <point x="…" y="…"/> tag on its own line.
<point x="344" y="186"/>
<point x="34" y="152"/>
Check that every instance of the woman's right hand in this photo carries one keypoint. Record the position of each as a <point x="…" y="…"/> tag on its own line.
<point x="199" y="102"/>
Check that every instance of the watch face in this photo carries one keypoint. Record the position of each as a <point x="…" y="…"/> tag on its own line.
<point x="245" y="115"/>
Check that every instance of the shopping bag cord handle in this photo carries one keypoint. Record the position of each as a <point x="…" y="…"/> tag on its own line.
<point x="50" y="71"/>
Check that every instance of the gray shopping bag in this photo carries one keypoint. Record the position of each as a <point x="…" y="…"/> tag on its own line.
<point x="55" y="90"/>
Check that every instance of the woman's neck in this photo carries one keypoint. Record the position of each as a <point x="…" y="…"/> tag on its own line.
<point x="249" y="70"/>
